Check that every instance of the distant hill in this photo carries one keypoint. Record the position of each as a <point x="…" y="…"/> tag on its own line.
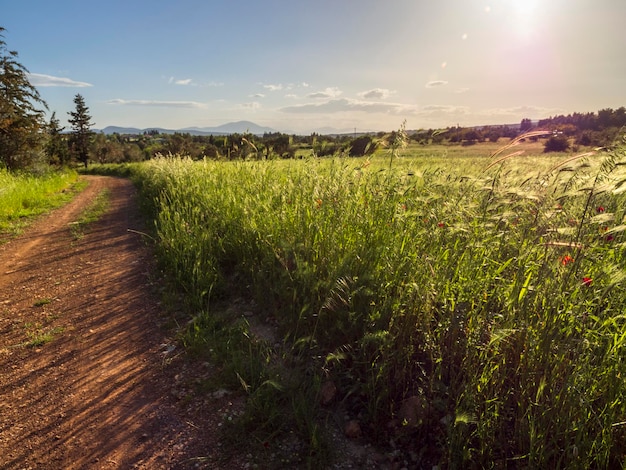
<point x="238" y="127"/>
<point x="120" y="130"/>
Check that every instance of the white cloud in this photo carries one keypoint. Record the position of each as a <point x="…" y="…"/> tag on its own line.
<point x="376" y="94"/>
<point x="436" y="83"/>
<point x="39" y="79"/>
<point x="276" y="87"/>
<point x="445" y="109"/>
<point x="257" y="95"/>
<point x="350" y="105"/>
<point x="526" y="111"/>
<point x="440" y="115"/>
<point x="191" y="82"/>
<point x="180" y="81"/>
<point x="157" y="103"/>
<point x="253" y="105"/>
<point x="291" y="86"/>
<point x="330" y="92"/>
<point x="444" y="115"/>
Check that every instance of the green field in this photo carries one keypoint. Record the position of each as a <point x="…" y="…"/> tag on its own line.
<point x="472" y="314"/>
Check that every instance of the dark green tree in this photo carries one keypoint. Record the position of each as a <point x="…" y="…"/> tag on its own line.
<point x="471" y="136"/>
<point x="556" y="143"/>
<point x="80" y="138"/>
<point x="21" y="114"/>
<point x="363" y="145"/>
<point x="177" y="143"/>
<point x="107" y="149"/>
<point x="525" y="125"/>
<point x="279" y="144"/>
<point x="605" y="118"/>
<point x="56" y="148"/>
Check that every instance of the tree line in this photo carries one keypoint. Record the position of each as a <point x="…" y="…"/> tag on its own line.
<point x="578" y="129"/>
<point x="565" y="133"/>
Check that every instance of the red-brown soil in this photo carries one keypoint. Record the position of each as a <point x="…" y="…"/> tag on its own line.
<point x="97" y="392"/>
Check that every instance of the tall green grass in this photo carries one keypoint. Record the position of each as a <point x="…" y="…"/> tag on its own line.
<point x="492" y="296"/>
<point x="24" y="195"/>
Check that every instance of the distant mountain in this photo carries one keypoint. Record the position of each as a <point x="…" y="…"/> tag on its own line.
<point x="239" y="127"/>
<point x="121" y="130"/>
<point x="134" y="130"/>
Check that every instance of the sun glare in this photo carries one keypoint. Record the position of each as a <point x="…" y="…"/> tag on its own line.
<point x="525" y="8"/>
<point x="524" y="17"/>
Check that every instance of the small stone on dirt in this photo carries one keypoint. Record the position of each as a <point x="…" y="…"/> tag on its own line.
<point x="352" y="429"/>
<point x="328" y="391"/>
<point x="413" y="411"/>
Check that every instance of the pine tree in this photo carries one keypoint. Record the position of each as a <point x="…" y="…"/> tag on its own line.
<point x="21" y="119"/>
<point x="526" y="125"/>
<point x="80" y="138"/>
<point x="56" y="148"/>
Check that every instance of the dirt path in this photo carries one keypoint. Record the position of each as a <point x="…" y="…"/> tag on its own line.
<point x="83" y="380"/>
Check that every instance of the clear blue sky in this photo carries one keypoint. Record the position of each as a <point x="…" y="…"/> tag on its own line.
<point x="299" y="65"/>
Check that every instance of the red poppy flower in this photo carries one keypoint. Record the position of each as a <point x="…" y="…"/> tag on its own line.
<point x="587" y="281"/>
<point x="567" y="259"/>
<point x="600" y="209"/>
<point x="441" y="224"/>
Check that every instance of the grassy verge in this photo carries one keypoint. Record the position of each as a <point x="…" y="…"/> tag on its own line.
<point x="91" y="214"/>
<point x="24" y="196"/>
<point x="472" y="317"/>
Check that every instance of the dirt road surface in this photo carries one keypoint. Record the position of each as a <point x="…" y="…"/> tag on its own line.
<point x="84" y="380"/>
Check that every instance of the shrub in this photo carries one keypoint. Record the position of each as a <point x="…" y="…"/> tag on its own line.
<point x="556" y="143"/>
<point x="362" y="146"/>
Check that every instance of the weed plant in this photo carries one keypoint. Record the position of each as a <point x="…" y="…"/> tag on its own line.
<point x="494" y="297"/>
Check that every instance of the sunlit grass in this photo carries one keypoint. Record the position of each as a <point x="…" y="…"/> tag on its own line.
<point x="493" y="295"/>
<point x="91" y="214"/>
<point x="23" y="196"/>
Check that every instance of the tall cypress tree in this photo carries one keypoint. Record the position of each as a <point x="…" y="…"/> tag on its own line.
<point x="80" y="137"/>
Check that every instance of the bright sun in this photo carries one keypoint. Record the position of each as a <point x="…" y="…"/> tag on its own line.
<point x="525" y="17"/>
<point x="525" y="7"/>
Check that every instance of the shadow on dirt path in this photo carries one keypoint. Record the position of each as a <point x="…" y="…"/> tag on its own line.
<point x="83" y="381"/>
